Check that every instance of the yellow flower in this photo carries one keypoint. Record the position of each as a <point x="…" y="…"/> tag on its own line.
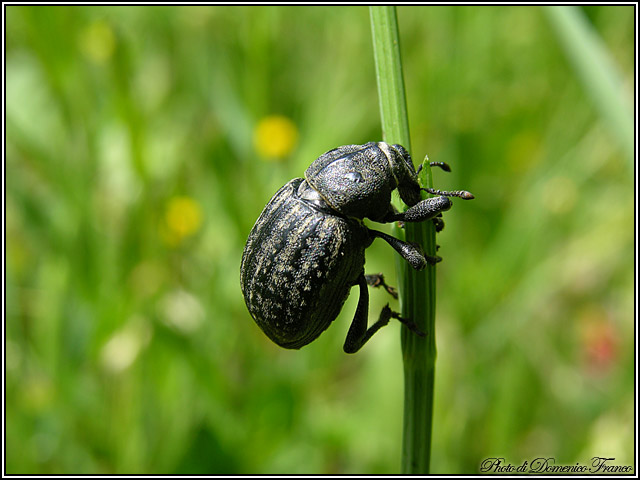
<point x="275" y="137"/>
<point x="182" y="219"/>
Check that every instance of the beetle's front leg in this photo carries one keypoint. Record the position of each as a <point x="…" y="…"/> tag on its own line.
<point x="421" y="211"/>
<point x="411" y="252"/>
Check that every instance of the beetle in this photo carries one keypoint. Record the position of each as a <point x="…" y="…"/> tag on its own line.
<point x="307" y="249"/>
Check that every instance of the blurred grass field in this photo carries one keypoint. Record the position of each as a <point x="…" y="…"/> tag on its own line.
<point x="142" y="144"/>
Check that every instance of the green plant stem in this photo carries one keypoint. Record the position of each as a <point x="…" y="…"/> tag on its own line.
<point x="417" y="289"/>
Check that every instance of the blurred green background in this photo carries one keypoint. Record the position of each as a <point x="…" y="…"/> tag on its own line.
<point x="143" y="142"/>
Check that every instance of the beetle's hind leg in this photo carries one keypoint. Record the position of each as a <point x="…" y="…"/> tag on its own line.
<point x="358" y="333"/>
<point x="377" y="280"/>
<point x="405" y="321"/>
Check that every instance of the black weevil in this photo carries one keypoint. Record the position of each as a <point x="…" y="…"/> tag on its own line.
<point x="306" y="250"/>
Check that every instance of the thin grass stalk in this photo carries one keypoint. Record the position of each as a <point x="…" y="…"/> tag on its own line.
<point x="597" y="71"/>
<point x="417" y="289"/>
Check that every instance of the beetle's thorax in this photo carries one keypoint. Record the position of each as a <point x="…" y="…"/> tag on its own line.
<point x="309" y="195"/>
<point x="356" y="180"/>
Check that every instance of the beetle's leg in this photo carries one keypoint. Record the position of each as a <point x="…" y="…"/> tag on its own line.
<point x="358" y="331"/>
<point x="421" y="211"/>
<point x="377" y="280"/>
<point x="438" y="223"/>
<point x="409" y="324"/>
<point x="411" y="252"/>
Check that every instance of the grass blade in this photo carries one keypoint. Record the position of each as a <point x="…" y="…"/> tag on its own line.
<point x="417" y="289"/>
<point x="597" y="71"/>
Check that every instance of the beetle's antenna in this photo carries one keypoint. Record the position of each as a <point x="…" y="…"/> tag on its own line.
<point x="443" y="165"/>
<point x="458" y="193"/>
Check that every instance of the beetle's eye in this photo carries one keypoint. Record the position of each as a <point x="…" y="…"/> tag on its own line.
<point x="355" y="177"/>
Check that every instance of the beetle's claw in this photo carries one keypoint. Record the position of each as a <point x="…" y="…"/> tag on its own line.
<point x="377" y="280"/>
<point x="438" y="224"/>
<point x="432" y="260"/>
<point x="409" y="324"/>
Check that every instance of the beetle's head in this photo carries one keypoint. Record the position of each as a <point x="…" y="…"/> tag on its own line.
<point x="403" y="172"/>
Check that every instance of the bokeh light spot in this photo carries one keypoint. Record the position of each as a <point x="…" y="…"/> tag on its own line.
<point x="183" y="218"/>
<point x="275" y="137"/>
<point x="560" y="195"/>
<point x="523" y="152"/>
<point x="122" y="349"/>
<point x="98" y="42"/>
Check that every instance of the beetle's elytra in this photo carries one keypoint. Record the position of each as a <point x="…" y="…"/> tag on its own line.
<point x="306" y="250"/>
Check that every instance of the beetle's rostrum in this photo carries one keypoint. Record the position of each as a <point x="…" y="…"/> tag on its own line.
<point x="306" y="250"/>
